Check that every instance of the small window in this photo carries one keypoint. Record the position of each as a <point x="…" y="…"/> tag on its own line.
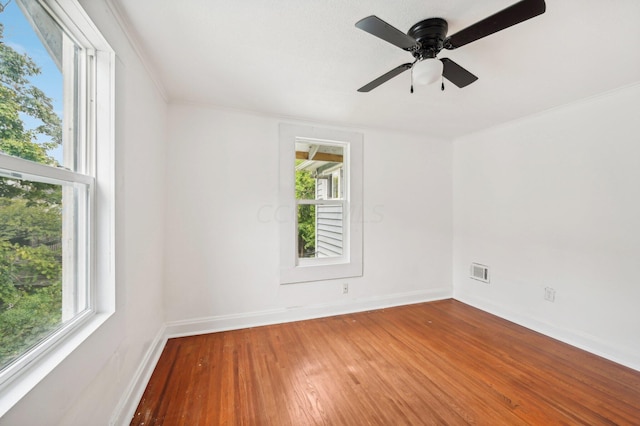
<point x="323" y="187"/>
<point x="320" y="205"/>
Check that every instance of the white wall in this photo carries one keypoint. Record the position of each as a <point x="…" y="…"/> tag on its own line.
<point x="222" y="243"/>
<point x="554" y="201"/>
<point x="85" y="387"/>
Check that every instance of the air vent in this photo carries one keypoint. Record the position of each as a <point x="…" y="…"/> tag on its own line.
<point x="480" y="272"/>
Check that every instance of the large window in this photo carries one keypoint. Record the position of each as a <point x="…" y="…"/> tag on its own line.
<point x="55" y="163"/>
<point x="321" y="188"/>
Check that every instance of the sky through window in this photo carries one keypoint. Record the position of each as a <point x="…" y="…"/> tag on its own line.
<point x="20" y="36"/>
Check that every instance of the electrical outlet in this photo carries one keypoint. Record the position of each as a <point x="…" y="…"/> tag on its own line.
<point x="549" y="294"/>
<point x="345" y="288"/>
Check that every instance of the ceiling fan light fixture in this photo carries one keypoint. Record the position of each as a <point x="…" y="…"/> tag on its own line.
<point x="427" y="71"/>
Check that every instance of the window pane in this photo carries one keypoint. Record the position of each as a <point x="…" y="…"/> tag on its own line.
<point x="36" y="297"/>
<point x="306" y="230"/>
<point x="329" y="230"/>
<point x="318" y="169"/>
<point x="38" y="64"/>
<point x="320" y="230"/>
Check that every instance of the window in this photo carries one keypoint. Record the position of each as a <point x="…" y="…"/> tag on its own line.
<point x="56" y="79"/>
<point x="319" y="201"/>
<point x="321" y="188"/>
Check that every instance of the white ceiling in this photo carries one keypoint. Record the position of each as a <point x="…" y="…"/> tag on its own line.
<point x="306" y="59"/>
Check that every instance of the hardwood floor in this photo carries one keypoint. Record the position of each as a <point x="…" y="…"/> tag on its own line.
<point x="428" y="364"/>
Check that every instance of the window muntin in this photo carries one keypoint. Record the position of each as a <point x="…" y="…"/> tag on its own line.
<point x="46" y="170"/>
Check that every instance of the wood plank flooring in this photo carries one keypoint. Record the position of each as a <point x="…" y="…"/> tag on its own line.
<point x="438" y="363"/>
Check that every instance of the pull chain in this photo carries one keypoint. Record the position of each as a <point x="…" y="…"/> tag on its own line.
<point x="411" y="79"/>
<point x="442" y="85"/>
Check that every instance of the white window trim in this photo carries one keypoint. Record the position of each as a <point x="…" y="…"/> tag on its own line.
<point x="350" y="263"/>
<point x="98" y="129"/>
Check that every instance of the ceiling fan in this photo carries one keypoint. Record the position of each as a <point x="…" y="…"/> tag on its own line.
<point x="428" y="37"/>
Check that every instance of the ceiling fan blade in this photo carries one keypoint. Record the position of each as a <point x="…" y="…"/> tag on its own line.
<point x="519" y="12"/>
<point x="377" y="27"/>
<point x="385" y="77"/>
<point x="456" y="74"/>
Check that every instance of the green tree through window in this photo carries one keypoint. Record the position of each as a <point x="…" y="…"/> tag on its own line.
<point x="305" y="189"/>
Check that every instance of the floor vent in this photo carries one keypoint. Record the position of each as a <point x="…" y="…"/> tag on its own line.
<point x="480" y="272"/>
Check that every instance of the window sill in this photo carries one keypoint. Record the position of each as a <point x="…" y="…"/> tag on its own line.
<point x="320" y="272"/>
<point x="23" y="381"/>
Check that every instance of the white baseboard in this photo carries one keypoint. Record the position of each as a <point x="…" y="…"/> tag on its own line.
<point x="128" y="403"/>
<point x="581" y="341"/>
<point x="282" y="315"/>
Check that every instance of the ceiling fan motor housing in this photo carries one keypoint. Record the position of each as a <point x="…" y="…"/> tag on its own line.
<point x="430" y="35"/>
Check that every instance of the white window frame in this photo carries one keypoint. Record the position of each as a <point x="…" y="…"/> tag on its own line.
<point x="293" y="269"/>
<point x="343" y="202"/>
<point x="95" y="171"/>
